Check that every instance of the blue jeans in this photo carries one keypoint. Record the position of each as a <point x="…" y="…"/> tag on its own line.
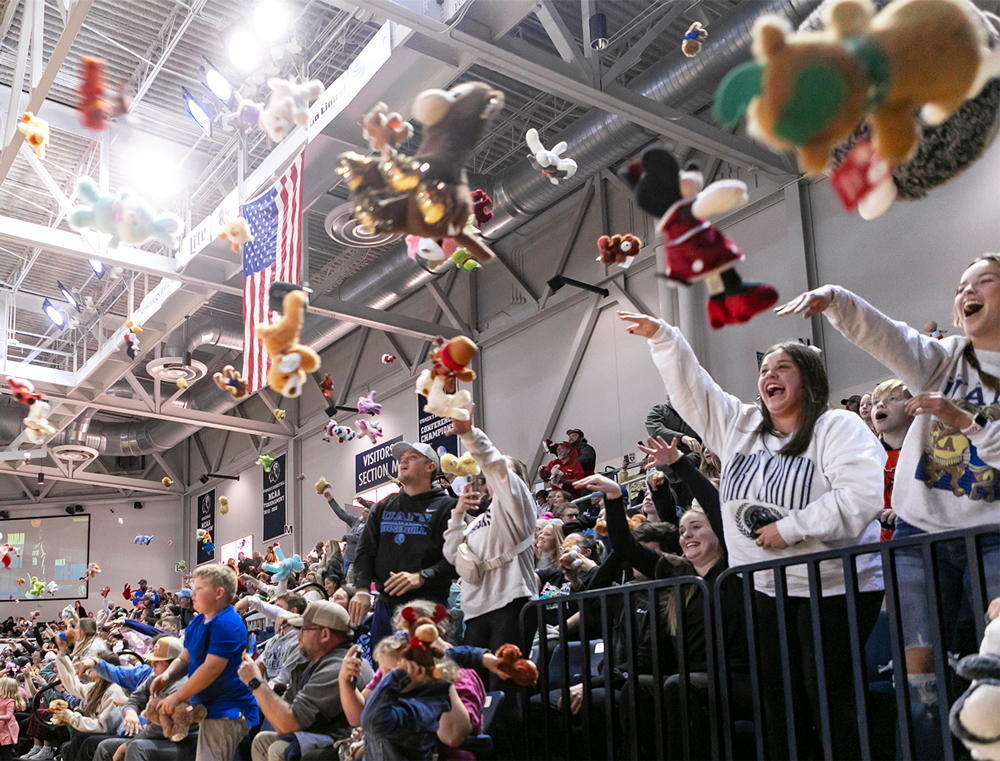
<point x="953" y="580"/>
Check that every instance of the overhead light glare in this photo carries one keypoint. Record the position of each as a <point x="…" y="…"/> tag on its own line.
<point x="97" y="267"/>
<point x="216" y="83"/>
<point x="245" y="51"/>
<point x="55" y="315"/>
<point x="198" y="112"/>
<point x="270" y="20"/>
<point x="68" y="295"/>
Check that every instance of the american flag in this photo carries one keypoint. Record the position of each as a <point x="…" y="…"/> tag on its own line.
<point x="275" y="254"/>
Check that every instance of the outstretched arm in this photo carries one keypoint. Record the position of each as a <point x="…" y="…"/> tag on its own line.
<point x="623" y="543"/>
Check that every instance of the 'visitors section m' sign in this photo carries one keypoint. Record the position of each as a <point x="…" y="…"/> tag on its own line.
<point x="375" y="466"/>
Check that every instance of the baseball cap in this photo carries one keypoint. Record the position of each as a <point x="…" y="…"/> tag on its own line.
<point x="324" y="613"/>
<point x="854" y="399"/>
<point x="425" y="449"/>
<point x="576" y="431"/>
<point x="184" y="593"/>
<point x="165" y="649"/>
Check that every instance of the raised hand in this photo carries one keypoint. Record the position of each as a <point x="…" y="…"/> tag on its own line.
<point x="600" y="483"/>
<point x="660" y="451"/>
<point x="642" y="324"/>
<point x="808" y="304"/>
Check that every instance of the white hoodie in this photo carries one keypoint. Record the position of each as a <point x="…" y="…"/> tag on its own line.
<point x="508" y="521"/>
<point x="944" y="479"/>
<point x="829" y="497"/>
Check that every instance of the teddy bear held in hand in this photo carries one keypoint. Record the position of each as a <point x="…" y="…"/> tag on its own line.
<point x="177" y="725"/>
<point x="439" y="383"/>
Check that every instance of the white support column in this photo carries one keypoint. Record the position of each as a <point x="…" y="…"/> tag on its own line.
<point x="37" y="41"/>
<point x="20" y="65"/>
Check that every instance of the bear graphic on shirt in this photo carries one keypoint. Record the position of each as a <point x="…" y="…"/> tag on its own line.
<point x="950" y="460"/>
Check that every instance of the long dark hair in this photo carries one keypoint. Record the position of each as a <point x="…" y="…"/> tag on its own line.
<point x="990" y="381"/>
<point x="92" y="703"/>
<point x="815" y="397"/>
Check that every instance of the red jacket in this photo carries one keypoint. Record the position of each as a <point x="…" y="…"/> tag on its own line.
<point x="571" y="470"/>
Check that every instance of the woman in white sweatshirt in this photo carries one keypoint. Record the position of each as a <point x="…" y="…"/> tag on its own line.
<point x="99" y="713"/>
<point x="797" y="478"/>
<point x="498" y="568"/>
<point x="948" y="473"/>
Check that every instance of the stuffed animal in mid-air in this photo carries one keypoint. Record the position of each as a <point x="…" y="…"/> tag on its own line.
<point x="95" y="107"/>
<point x="388" y="359"/>
<point x="52" y="587"/>
<point x="368" y="406"/>
<point x="618" y="249"/>
<point x="127" y="592"/>
<point x="427" y="195"/>
<point x="341" y="433"/>
<point x="246" y="113"/>
<point x="463" y="260"/>
<point x="425" y="646"/>
<point x="975" y="716"/>
<point x="237" y="231"/>
<point x="177" y="724"/>
<point x="693" y="38"/>
<point x="180" y="566"/>
<point x="37" y="425"/>
<point x="92" y="570"/>
<point x="7" y="555"/>
<point x="167" y="481"/>
<point x="439" y="382"/>
<point x="372" y="430"/>
<point x="23" y="391"/>
<point x="290" y="360"/>
<point x="288" y="106"/>
<point x="266" y="460"/>
<point x="695" y="249"/>
<point x="327" y="388"/>
<point x="205" y="537"/>
<point x="37" y="589"/>
<point x="285" y="567"/>
<point x="385" y="131"/>
<point x="551" y="162"/>
<point x="808" y="91"/>
<point x="142" y="539"/>
<point x="132" y="332"/>
<point x="481" y="203"/>
<point x="223" y="505"/>
<point x="36" y="133"/>
<point x="518" y="669"/>
<point x="123" y="216"/>
<point x="232" y="381"/>
<point x="459" y="466"/>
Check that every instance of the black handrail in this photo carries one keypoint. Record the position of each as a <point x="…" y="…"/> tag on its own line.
<point x="35" y="708"/>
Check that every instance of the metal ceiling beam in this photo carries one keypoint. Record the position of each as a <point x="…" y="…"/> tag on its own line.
<point x="90" y="479"/>
<point x="560" y="35"/>
<point x="635" y="51"/>
<point x="376" y="318"/>
<point x="74" y="21"/>
<point x="527" y="64"/>
<point x="453" y="315"/>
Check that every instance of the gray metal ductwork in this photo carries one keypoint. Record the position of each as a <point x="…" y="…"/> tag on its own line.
<point x="217" y="331"/>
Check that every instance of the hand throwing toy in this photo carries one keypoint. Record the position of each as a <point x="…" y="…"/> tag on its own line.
<point x="552" y="163"/>
<point x="322" y="485"/>
<point x="237" y="232"/>
<point x="290" y="360"/>
<point x="368" y="406"/>
<point x="230" y="380"/>
<point x="36" y="133"/>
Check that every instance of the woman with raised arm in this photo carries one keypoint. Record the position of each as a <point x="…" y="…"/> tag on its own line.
<point x="947" y="474"/>
<point x="798" y="478"/>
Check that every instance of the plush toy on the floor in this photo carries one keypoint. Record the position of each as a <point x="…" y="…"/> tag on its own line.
<point x="372" y="430"/>
<point x="385" y="131"/>
<point x="427" y="195"/>
<point x="132" y="332"/>
<point x="237" y="232"/>
<point x="36" y="133"/>
<point x="809" y="91"/>
<point x="518" y="669"/>
<point x="439" y="383"/>
<point x="425" y="647"/>
<point x="459" y="466"/>
<point x="123" y="216"/>
<point x="695" y="249"/>
<point x="975" y="716"/>
<point x="288" y="106"/>
<point x="693" y="39"/>
<point x="618" y="249"/>
<point x="551" y="163"/>
<point x="290" y="360"/>
<point x="285" y="567"/>
<point x="232" y="381"/>
<point x="341" y="433"/>
<point x="176" y="725"/>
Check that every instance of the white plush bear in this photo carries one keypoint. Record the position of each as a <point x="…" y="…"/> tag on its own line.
<point x="439" y="401"/>
<point x="288" y="107"/>
<point x="975" y="716"/>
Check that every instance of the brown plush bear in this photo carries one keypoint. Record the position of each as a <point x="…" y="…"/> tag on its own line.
<point x="810" y="90"/>
<point x="693" y="38"/>
<point x="425" y="645"/>
<point x="617" y="249"/>
<point x="290" y="360"/>
<point x="58" y="705"/>
<point x="178" y="724"/>
<point x="384" y="131"/>
<point x="230" y="380"/>
<point x="427" y="195"/>
<point x="521" y="671"/>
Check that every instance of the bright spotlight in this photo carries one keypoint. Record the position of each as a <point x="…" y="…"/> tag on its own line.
<point x="270" y="20"/>
<point x="97" y="267"/>
<point x="197" y="111"/>
<point x="55" y="315"/>
<point x="68" y="295"/>
<point x="217" y="84"/>
<point x="245" y="51"/>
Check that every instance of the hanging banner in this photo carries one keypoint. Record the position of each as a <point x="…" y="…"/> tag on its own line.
<point x="432" y="429"/>
<point x="274" y="500"/>
<point x="206" y="520"/>
<point x="375" y="466"/>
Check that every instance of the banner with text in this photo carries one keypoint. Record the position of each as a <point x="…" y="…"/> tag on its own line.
<point x="274" y="500"/>
<point x="431" y="429"/>
<point x="375" y="466"/>
<point x="206" y="521"/>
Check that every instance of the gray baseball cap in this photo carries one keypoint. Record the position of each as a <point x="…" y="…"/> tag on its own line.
<point x="398" y="450"/>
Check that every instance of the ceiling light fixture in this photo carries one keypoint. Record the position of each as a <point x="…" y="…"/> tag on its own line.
<point x="270" y="20"/>
<point x="216" y="82"/>
<point x="245" y="50"/>
<point x="198" y="112"/>
<point x="68" y="295"/>
<point x="55" y="315"/>
<point x="598" y="31"/>
<point x="559" y="281"/>
<point x="97" y="267"/>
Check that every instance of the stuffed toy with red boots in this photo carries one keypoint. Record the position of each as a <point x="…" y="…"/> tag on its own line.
<point x="695" y="249"/>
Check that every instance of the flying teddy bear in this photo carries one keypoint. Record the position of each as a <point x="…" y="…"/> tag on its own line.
<point x="618" y="249"/>
<point x="232" y="381"/>
<point x="176" y="725"/>
<point x="693" y="38"/>
<point x="288" y="106"/>
<point x="425" y="647"/>
<point x="372" y="430"/>
<point x="285" y="567"/>
<point x="810" y="90"/>
<point x="975" y="716"/>
<point x="459" y="466"/>
<point x="384" y="131"/>
<point x="223" y="505"/>
<point x="517" y="668"/>
<point x="95" y="107"/>
<point x="123" y="216"/>
<point x="427" y="195"/>
<point x="237" y="232"/>
<point x="36" y="133"/>
<point x="37" y="425"/>
<point x="695" y="249"/>
<point x="290" y="360"/>
<point x="552" y="163"/>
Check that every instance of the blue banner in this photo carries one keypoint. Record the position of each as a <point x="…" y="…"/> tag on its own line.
<point x="431" y="429"/>
<point x="206" y="520"/>
<point x="274" y="500"/>
<point x="375" y="466"/>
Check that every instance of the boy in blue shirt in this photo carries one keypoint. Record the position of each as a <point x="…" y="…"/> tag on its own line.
<point x="214" y="642"/>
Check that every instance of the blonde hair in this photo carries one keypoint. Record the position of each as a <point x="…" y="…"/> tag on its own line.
<point x="558" y="532"/>
<point x="219" y="576"/>
<point x="8" y="689"/>
<point x="518" y="468"/>
<point x="391" y="647"/>
<point x="672" y="567"/>
<point x="887" y="387"/>
<point x="88" y="626"/>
